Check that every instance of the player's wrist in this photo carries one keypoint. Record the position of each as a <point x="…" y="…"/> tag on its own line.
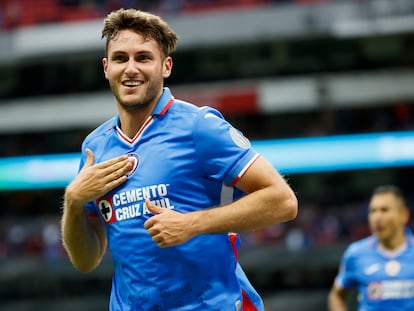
<point x="197" y="223"/>
<point x="72" y="199"/>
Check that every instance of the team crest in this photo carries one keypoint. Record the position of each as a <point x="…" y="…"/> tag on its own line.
<point x="106" y="209"/>
<point x="392" y="267"/>
<point x="133" y="156"/>
<point x="239" y="139"/>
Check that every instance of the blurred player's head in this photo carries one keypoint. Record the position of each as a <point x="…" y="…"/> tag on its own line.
<point x="146" y="24"/>
<point x="388" y="214"/>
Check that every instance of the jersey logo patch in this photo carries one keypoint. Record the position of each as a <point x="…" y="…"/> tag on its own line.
<point x="133" y="156"/>
<point x="106" y="209"/>
<point x="392" y="268"/>
<point x="372" y="269"/>
<point x="239" y="139"/>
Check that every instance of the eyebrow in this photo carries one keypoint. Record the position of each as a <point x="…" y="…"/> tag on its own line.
<point x="136" y="53"/>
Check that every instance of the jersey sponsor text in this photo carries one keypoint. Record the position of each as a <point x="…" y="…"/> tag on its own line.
<point x="395" y="289"/>
<point x="131" y="204"/>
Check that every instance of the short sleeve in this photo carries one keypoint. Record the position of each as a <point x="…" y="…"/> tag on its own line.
<point x="346" y="275"/>
<point x="224" y="151"/>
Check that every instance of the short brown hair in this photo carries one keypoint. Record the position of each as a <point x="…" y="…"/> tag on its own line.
<point x="395" y="190"/>
<point x="148" y="25"/>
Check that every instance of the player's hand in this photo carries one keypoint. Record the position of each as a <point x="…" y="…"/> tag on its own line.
<point x="168" y="227"/>
<point x="94" y="180"/>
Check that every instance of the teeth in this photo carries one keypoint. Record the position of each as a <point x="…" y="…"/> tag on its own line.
<point x="131" y="83"/>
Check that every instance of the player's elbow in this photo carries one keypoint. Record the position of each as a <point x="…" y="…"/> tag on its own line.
<point x="283" y="210"/>
<point x="84" y="270"/>
<point x="82" y="263"/>
<point x="285" y="206"/>
<point x="291" y="207"/>
<point x="84" y="267"/>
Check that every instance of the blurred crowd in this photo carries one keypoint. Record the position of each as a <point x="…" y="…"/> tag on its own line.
<point x="18" y="13"/>
<point x="28" y="238"/>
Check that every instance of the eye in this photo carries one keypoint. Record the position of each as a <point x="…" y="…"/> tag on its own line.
<point x="119" y="58"/>
<point x="143" y="58"/>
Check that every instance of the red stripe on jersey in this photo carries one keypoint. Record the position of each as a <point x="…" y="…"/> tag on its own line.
<point x="145" y="125"/>
<point x="167" y="106"/>
<point x="137" y="135"/>
<point x="247" y="304"/>
<point x="244" y="170"/>
<point x="233" y="239"/>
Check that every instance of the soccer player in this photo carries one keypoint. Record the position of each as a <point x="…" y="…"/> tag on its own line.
<point x="380" y="267"/>
<point x="165" y="184"/>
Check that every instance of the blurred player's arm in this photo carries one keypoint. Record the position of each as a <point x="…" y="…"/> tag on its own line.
<point x="337" y="299"/>
<point x="84" y="237"/>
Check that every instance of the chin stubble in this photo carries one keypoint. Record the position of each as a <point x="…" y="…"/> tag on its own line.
<point x="134" y="107"/>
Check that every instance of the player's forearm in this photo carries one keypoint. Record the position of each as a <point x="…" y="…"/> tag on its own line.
<point x="254" y="211"/>
<point x="78" y="237"/>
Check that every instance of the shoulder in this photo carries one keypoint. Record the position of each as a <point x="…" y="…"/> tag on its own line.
<point x="359" y="247"/>
<point x="182" y="106"/>
<point x="203" y="120"/>
<point x="410" y="236"/>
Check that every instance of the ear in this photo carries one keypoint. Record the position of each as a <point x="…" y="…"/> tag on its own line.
<point x="105" y="66"/>
<point x="167" y="64"/>
<point x="407" y="216"/>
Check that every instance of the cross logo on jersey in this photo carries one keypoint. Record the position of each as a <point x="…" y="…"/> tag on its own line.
<point x="106" y="209"/>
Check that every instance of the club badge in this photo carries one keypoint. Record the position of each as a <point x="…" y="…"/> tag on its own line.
<point x="133" y="156"/>
<point x="392" y="267"/>
<point x="239" y="139"/>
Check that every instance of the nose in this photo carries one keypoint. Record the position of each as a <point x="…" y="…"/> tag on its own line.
<point x="375" y="217"/>
<point x="131" y="68"/>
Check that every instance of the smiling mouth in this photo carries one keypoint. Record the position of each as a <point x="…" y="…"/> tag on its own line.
<point x="131" y="83"/>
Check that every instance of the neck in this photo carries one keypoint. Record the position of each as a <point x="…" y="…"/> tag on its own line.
<point x="131" y="122"/>
<point x="393" y="243"/>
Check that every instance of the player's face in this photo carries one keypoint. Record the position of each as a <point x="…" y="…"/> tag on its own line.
<point x="387" y="216"/>
<point x="135" y="69"/>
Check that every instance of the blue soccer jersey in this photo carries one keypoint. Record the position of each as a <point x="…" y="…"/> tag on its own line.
<point x="385" y="281"/>
<point x="186" y="158"/>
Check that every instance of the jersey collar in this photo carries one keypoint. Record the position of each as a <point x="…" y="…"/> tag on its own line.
<point x="409" y="239"/>
<point x="162" y="106"/>
<point x="164" y="103"/>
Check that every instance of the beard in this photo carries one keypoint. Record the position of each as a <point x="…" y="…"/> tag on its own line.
<point x="149" y="96"/>
<point x="137" y="106"/>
